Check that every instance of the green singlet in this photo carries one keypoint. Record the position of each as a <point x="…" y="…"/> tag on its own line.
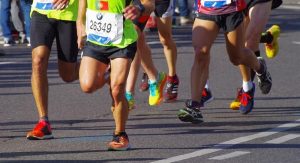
<point x="106" y="25"/>
<point x="45" y="7"/>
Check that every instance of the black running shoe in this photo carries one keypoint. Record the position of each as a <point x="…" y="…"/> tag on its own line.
<point x="264" y="79"/>
<point x="191" y="113"/>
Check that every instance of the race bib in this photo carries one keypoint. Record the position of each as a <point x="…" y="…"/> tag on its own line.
<point x="44" y="4"/>
<point x="215" y="3"/>
<point x="104" y="28"/>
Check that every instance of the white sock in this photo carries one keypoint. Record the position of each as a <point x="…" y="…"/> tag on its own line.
<point x="206" y="85"/>
<point x="247" y="85"/>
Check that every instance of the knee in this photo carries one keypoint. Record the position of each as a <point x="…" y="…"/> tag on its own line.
<point x="201" y="54"/>
<point x="117" y="92"/>
<point x="235" y="61"/>
<point x="39" y="62"/>
<point x="68" y="78"/>
<point x="237" y="57"/>
<point x="166" y="41"/>
<point x="87" y="86"/>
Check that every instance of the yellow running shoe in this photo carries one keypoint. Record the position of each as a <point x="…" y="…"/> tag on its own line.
<point x="156" y="89"/>
<point x="235" y="104"/>
<point x="273" y="48"/>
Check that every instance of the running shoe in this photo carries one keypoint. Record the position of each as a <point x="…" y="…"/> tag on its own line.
<point x="41" y="131"/>
<point x="235" y="105"/>
<point x="8" y="42"/>
<point x="191" y="112"/>
<point x="206" y="96"/>
<point x="156" y="89"/>
<point x="130" y="100"/>
<point x="247" y="101"/>
<point x="273" y="48"/>
<point x="119" y="142"/>
<point x="171" y="90"/>
<point x="144" y="86"/>
<point x="264" y="79"/>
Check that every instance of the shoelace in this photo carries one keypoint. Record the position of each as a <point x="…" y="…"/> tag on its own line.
<point x="245" y="98"/>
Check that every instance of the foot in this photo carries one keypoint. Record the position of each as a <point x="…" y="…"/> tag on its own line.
<point x="247" y="101"/>
<point x="130" y="100"/>
<point x="191" y="112"/>
<point x="144" y="86"/>
<point x="120" y="142"/>
<point x="171" y="90"/>
<point x="41" y="131"/>
<point x="156" y="89"/>
<point x="273" y="48"/>
<point x="235" y="104"/>
<point x="206" y="96"/>
<point x="264" y="79"/>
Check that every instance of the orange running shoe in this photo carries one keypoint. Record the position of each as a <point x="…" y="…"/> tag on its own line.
<point x="119" y="142"/>
<point x="41" y="131"/>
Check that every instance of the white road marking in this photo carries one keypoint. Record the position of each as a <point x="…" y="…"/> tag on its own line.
<point x="230" y="155"/>
<point x="296" y="42"/>
<point x="231" y="143"/>
<point x="177" y="42"/>
<point x="283" y="139"/>
<point x="6" y="63"/>
<point x="293" y="7"/>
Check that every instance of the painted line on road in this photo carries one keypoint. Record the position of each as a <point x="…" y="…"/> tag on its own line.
<point x="283" y="139"/>
<point x="293" y="7"/>
<point x="230" y="155"/>
<point x="6" y="63"/>
<point x="177" y="42"/>
<point x="296" y="42"/>
<point x="230" y="143"/>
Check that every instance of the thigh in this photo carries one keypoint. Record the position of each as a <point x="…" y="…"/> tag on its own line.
<point x="235" y="42"/>
<point x="164" y="8"/>
<point x="204" y="34"/>
<point x="164" y="26"/>
<point x="90" y="70"/>
<point x="66" y="40"/>
<point x="42" y="32"/>
<point x="258" y="16"/>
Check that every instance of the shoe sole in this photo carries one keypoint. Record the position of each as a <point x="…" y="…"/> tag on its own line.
<point x="40" y="138"/>
<point x="186" y="117"/>
<point x="119" y="149"/>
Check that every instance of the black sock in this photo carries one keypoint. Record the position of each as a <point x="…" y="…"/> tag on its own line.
<point x="44" y="118"/>
<point x="266" y="37"/>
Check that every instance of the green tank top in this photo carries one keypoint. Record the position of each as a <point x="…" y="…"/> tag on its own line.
<point x="106" y="26"/>
<point x="45" y="7"/>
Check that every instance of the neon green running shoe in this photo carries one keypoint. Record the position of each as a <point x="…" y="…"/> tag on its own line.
<point x="130" y="100"/>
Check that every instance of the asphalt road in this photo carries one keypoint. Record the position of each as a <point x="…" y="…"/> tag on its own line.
<point x="82" y="123"/>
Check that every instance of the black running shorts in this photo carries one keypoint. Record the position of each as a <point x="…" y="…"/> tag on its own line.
<point x="251" y="3"/>
<point x="163" y="9"/>
<point x="44" y="30"/>
<point x="105" y="53"/>
<point x="226" y="22"/>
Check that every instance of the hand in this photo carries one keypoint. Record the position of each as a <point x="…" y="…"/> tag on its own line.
<point x="131" y="12"/>
<point x="60" y="4"/>
<point x="81" y="34"/>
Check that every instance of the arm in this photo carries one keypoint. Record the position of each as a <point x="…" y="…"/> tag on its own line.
<point x="132" y="12"/>
<point x="80" y="23"/>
